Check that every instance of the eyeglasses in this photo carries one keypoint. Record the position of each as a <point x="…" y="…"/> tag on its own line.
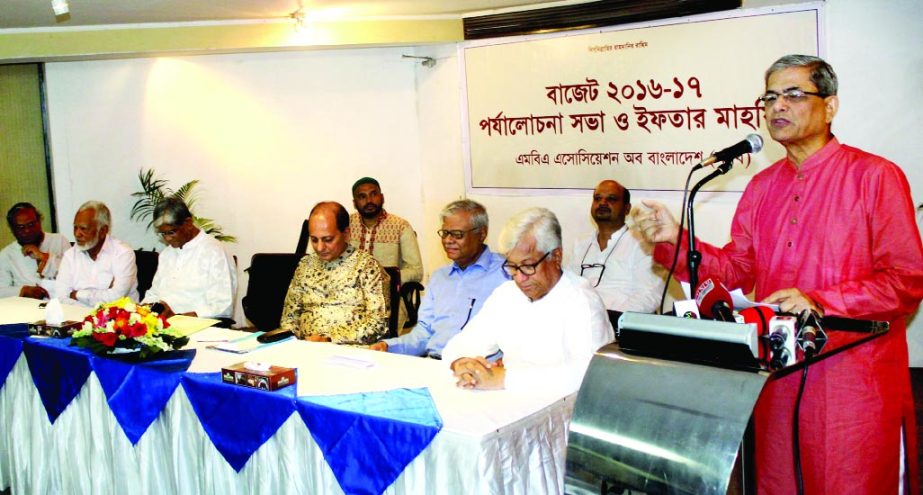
<point x="24" y="226"/>
<point x="594" y="265"/>
<point x="167" y="233"/>
<point x="456" y="234"/>
<point x="793" y="95"/>
<point x="525" y="269"/>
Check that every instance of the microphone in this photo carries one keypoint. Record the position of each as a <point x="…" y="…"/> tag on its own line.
<point x="811" y="336"/>
<point x="772" y="344"/>
<point x="714" y="301"/>
<point x="752" y="144"/>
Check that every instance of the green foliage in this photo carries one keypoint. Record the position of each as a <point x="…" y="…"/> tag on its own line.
<point x="154" y="190"/>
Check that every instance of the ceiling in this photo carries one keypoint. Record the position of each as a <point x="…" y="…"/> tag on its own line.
<point x="39" y="14"/>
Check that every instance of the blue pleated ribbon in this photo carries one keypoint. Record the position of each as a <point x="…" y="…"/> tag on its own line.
<point x="10" y="350"/>
<point x="368" y="439"/>
<point x="137" y="393"/>
<point x="238" y="420"/>
<point x="58" y="372"/>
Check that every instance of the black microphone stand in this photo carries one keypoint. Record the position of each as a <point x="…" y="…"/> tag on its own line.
<point x="693" y="256"/>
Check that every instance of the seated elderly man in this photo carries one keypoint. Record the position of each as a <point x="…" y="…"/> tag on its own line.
<point x="548" y="322"/>
<point x="338" y="293"/>
<point x="33" y="259"/>
<point x="456" y="291"/>
<point x="99" y="268"/>
<point x="195" y="274"/>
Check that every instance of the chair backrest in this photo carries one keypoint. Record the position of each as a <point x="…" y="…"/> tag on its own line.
<point x="270" y="274"/>
<point x="394" y="298"/>
<point x="146" y="261"/>
<point x="410" y="295"/>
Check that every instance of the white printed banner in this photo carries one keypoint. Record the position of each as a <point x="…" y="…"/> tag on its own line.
<point x="641" y="105"/>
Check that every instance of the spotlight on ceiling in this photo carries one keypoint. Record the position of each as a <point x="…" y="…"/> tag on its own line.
<point x="428" y="62"/>
<point x="298" y="18"/>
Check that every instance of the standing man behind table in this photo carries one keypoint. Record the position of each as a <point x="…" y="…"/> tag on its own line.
<point x="99" y="268"/>
<point x="34" y="257"/>
<point x="389" y="238"/>
<point x="828" y="228"/>
<point x="548" y="322"/>
<point x="338" y="293"/>
<point x="195" y="274"/>
<point x="456" y="291"/>
<point x="616" y="260"/>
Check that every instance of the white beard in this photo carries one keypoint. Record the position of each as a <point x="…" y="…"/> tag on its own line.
<point x="89" y="245"/>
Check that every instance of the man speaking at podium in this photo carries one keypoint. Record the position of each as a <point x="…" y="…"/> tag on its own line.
<point x="830" y="228"/>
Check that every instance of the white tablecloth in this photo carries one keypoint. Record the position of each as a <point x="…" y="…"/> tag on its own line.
<point x="496" y="442"/>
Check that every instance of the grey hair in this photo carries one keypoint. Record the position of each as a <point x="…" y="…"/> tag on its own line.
<point x="541" y="223"/>
<point x="822" y="74"/>
<point x="102" y="217"/>
<point x="478" y="214"/>
<point x="171" y="211"/>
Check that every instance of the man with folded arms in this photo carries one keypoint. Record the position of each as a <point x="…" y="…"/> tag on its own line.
<point x="387" y="237"/>
<point x="456" y="291"/>
<point x="195" y="274"/>
<point x="34" y="257"/>
<point x="338" y="293"/>
<point x="548" y="322"/>
<point x="99" y="268"/>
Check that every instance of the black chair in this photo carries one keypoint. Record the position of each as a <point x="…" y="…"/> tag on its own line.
<point x="270" y="274"/>
<point x="394" y="298"/>
<point x="410" y="295"/>
<point x="146" y="262"/>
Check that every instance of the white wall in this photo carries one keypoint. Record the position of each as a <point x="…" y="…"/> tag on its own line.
<point x="270" y="134"/>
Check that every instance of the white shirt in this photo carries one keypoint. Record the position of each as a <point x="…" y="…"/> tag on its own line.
<point x="547" y="344"/>
<point x="112" y="275"/>
<point x="18" y="270"/>
<point x="200" y="276"/>
<point x="631" y="280"/>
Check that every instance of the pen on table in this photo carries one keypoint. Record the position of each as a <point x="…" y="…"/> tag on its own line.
<point x="212" y="340"/>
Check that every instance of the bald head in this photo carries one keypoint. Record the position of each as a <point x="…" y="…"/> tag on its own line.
<point x="328" y="228"/>
<point x="611" y="204"/>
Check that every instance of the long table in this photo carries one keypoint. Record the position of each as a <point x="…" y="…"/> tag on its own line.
<point x="490" y="442"/>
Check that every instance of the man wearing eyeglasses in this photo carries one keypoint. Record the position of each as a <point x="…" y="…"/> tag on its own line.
<point x="195" y="274"/>
<point x="456" y="291"/>
<point x="29" y="265"/>
<point x="614" y="259"/>
<point x="548" y="322"/>
<point x="828" y="228"/>
<point x="99" y="268"/>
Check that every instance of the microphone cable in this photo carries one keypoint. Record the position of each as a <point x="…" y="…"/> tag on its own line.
<point x="796" y="443"/>
<point x="679" y="241"/>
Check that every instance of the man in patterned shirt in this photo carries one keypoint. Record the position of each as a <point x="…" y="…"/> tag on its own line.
<point x="389" y="238"/>
<point x="338" y="293"/>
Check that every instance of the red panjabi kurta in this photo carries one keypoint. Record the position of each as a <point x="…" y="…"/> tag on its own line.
<point x="841" y="229"/>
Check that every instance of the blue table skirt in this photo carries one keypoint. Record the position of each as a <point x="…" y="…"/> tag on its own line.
<point x="367" y="439"/>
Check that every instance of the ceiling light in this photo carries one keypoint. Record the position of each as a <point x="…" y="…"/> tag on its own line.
<point x="60" y="7"/>
<point x="298" y="18"/>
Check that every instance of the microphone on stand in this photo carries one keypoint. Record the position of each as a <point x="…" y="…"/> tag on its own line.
<point x="811" y="337"/>
<point x="714" y="300"/>
<point x="751" y="144"/>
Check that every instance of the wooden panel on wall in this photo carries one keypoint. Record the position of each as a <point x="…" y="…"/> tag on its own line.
<point x="23" y="173"/>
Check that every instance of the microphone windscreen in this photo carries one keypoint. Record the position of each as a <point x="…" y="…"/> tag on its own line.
<point x="756" y="142"/>
<point x="760" y="315"/>
<point x="710" y="292"/>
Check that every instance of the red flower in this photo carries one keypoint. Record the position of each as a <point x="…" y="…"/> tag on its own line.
<point x="107" y="339"/>
<point x="136" y="330"/>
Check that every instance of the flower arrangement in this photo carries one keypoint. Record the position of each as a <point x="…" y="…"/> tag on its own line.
<point x="122" y="326"/>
